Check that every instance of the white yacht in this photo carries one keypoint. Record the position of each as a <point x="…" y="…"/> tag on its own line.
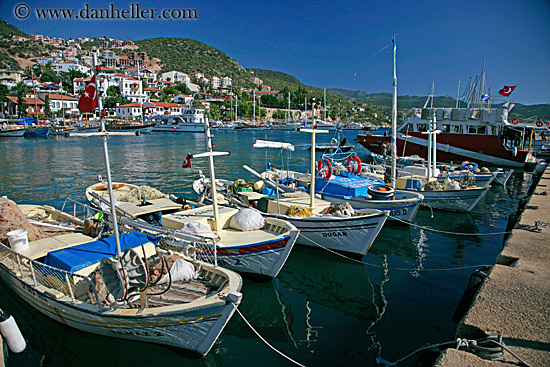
<point x="191" y="121"/>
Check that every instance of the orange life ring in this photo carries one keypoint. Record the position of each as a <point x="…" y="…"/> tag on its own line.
<point x="515" y="121"/>
<point x="324" y="174"/>
<point x="354" y="164"/>
<point x="540" y="123"/>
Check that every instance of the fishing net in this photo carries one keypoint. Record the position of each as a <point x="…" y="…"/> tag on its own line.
<point x="141" y="193"/>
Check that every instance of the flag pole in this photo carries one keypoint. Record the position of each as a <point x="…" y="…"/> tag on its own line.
<point x="106" y="156"/>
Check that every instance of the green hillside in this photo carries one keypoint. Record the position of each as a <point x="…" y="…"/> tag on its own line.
<point x="7" y="30"/>
<point x="187" y="55"/>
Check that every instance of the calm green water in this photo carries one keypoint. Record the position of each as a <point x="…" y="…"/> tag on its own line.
<point x="322" y="310"/>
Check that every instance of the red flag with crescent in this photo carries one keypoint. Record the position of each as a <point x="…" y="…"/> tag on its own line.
<point x="507" y="90"/>
<point x="187" y="162"/>
<point x="88" y="99"/>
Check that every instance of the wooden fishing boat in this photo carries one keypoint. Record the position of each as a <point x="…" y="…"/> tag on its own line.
<point x="130" y="126"/>
<point x="76" y="280"/>
<point x="323" y="225"/>
<point x="260" y="253"/>
<point x="342" y="185"/>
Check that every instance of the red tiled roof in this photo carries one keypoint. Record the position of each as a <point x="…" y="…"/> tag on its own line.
<point x="27" y="100"/>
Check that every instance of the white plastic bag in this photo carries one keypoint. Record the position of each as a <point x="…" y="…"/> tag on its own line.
<point x="199" y="229"/>
<point x="449" y="184"/>
<point x="181" y="271"/>
<point x="247" y="220"/>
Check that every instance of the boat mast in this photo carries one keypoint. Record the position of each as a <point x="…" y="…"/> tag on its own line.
<point x="325" y="103"/>
<point x="288" y="116"/>
<point x="394" y="119"/>
<point x="35" y="97"/>
<point x="254" y="105"/>
<point x="312" y="172"/>
<point x="305" y="113"/>
<point x="106" y="156"/>
<point x="432" y="112"/>
<point x="482" y="88"/>
<point x="457" y="92"/>
<point x="139" y="87"/>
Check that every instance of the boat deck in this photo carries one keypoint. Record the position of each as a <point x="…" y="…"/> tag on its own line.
<point x="150" y="206"/>
<point x="40" y="248"/>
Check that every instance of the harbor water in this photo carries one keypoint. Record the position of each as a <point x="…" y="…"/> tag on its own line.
<point x="322" y="309"/>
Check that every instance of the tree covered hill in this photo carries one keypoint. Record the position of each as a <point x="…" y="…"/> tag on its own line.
<point x="188" y="55"/>
<point x="8" y="30"/>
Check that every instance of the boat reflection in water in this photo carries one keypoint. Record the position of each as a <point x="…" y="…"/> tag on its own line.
<point x="321" y="310"/>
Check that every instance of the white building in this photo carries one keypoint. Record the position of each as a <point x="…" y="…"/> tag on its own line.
<point x="214" y="82"/>
<point x="183" y="98"/>
<point x="176" y="77"/>
<point x="133" y="110"/>
<point x="65" y="67"/>
<point x="130" y="88"/>
<point x="58" y="102"/>
<point x="226" y="81"/>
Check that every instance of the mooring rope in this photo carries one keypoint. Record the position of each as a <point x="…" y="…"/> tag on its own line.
<point x="478" y="347"/>
<point x="473" y="346"/>
<point x="265" y="341"/>
<point x="389" y="267"/>
<point x="448" y="232"/>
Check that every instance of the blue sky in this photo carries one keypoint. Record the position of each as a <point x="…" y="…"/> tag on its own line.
<point x="337" y="44"/>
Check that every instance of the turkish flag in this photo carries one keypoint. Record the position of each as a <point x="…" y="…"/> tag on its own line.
<point x="187" y="162"/>
<point x="88" y="99"/>
<point x="507" y="90"/>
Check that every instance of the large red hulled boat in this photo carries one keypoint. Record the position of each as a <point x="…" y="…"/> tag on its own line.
<point x="475" y="134"/>
<point x="476" y="130"/>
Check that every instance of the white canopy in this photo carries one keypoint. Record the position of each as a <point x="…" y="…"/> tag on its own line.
<point x="273" y="144"/>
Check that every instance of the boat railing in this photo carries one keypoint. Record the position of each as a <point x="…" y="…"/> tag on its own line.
<point x="79" y="210"/>
<point x="193" y="245"/>
<point x="49" y="280"/>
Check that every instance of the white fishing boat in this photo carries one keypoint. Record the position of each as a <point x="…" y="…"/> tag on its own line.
<point x="11" y="130"/>
<point x="324" y="225"/>
<point x="95" y="286"/>
<point x="192" y="120"/>
<point x="339" y="184"/>
<point x="79" y="281"/>
<point x="260" y="251"/>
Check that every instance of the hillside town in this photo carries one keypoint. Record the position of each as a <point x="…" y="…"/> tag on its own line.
<point x="133" y="85"/>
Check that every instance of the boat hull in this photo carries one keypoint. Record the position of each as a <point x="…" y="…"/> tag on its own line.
<point x="12" y="133"/>
<point x="454" y="200"/>
<point x="260" y="253"/>
<point x="350" y="235"/>
<point x="451" y="147"/>
<point x="131" y="128"/>
<point x="261" y="260"/>
<point x="37" y="131"/>
<point x="180" y="128"/>
<point x="195" y="330"/>
<point x="402" y="210"/>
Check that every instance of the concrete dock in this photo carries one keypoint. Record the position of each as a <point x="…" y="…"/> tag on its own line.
<point x="514" y="299"/>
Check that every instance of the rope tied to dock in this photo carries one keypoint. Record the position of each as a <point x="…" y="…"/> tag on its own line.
<point x="265" y="341"/>
<point x="490" y="348"/>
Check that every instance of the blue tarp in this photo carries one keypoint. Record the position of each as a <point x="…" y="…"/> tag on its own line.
<point x="25" y="121"/>
<point x="78" y="257"/>
<point x="351" y="186"/>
